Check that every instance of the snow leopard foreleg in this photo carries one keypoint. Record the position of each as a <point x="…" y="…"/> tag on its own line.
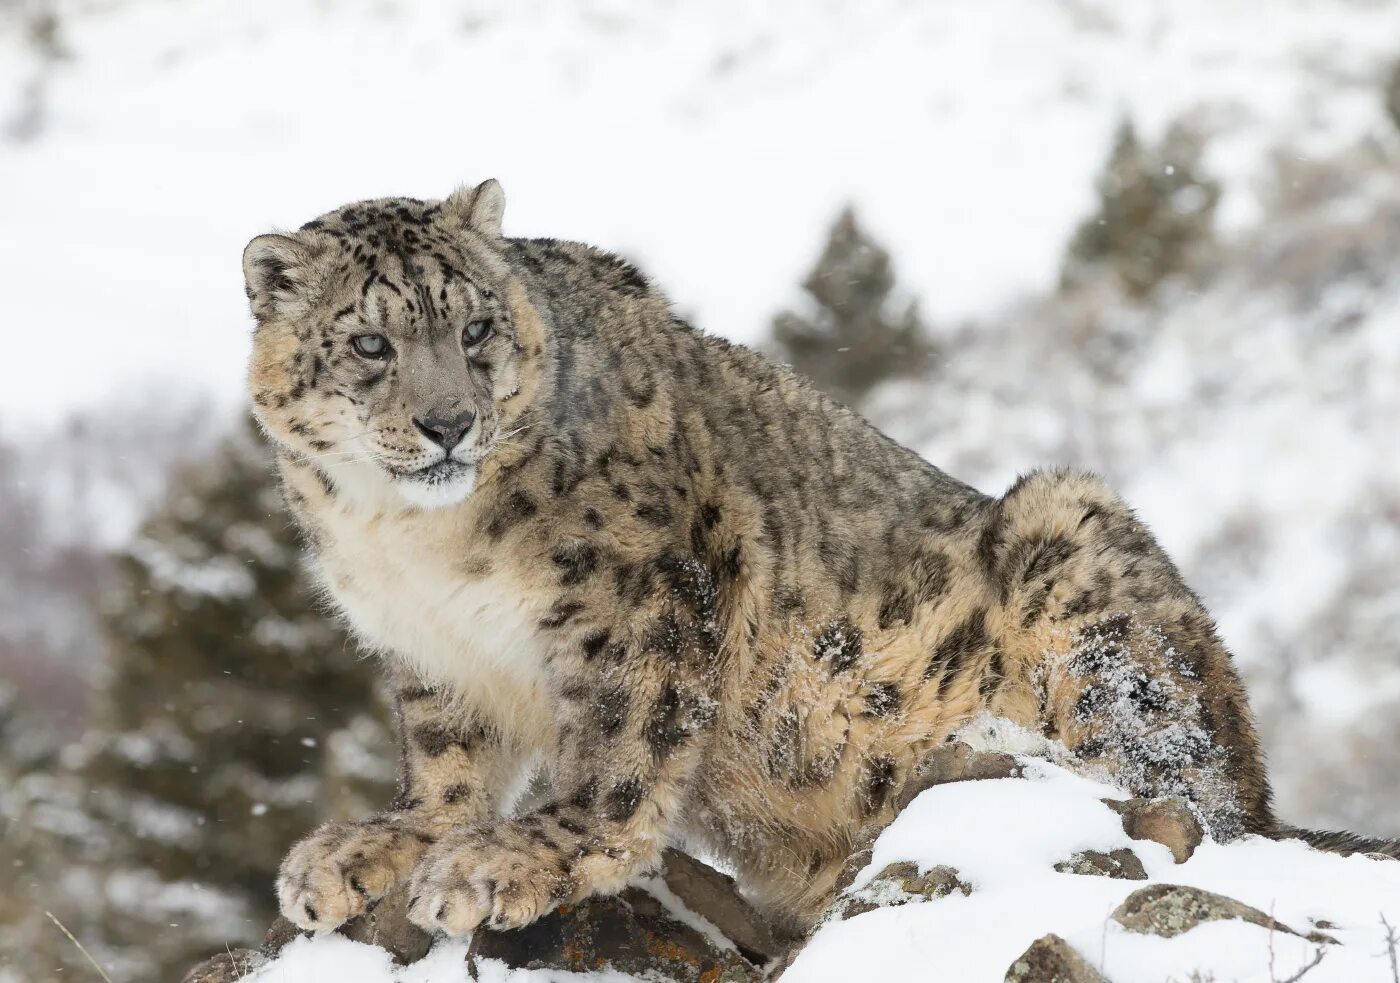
<point x="450" y="773"/>
<point x="635" y="704"/>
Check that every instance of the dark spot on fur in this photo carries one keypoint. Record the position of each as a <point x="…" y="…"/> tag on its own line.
<point x="577" y="562"/>
<point x="593" y="644"/>
<point x="586" y="795"/>
<point x="654" y="513"/>
<point x="405" y="802"/>
<point x="1035" y="605"/>
<point x="542" y="838"/>
<point x="882" y="699"/>
<point x="839" y="558"/>
<point x="782" y="746"/>
<point x="665" y="731"/>
<point x="959" y="645"/>
<point x="623" y="800"/>
<point x="640" y="396"/>
<point x="878" y="783"/>
<point x="990" y="541"/>
<point x="515" y="509"/>
<point x="839" y="644"/>
<point x="560" y="613"/>
<point x="788" y="600"/>
<point x="731" y="564"/>
<point x="434" y="739"/>
<point x="610" y="709"/>
<point x="897" y="608"/>
<point x="995" y="674"/>
<point x="327" y="485"/>
<point x="664" y="635"/>
<point x="1046" y="556"/>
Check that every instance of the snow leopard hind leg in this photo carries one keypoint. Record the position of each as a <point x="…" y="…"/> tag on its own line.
<point x="1109" y="652"/>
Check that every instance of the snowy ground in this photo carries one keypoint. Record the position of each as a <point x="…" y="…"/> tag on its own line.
<point x="1004" y="837"/>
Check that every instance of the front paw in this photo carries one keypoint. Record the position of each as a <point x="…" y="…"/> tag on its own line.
<point x="342" y="870"/>
<point x="493" y="876"/>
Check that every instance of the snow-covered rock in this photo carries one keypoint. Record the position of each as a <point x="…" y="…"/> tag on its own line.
<point x="1006" y="867"/>
<point x="684" y="922"/>
<point x="1011" y="842"/>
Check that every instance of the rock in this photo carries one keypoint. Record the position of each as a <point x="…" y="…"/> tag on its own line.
<point x="1166" y="821"/>
<point x="631" y="932"/>
<point x="1122" y="864"/>
<point x="387" y="926"/>
<point x="715" y="897"/>
<point x="938" y="882"/>
<point x="1051" y="960"/>
<point x="952" y="761"/>
<point x="1168" y="910"/>
<point x="957" y="762"/>
<point x="227" y="967"/>
<point x="899" y="884"/>
<point x="855" y="863"/>
<point x="279" y="934"/>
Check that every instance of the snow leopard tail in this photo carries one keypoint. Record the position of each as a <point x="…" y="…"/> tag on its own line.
<point x="1343" y="843"/>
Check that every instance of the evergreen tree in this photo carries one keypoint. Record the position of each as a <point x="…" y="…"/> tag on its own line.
<point x="1155" y="214"/>
<point x="851" y="340"/>
<point x="234" y="716"/>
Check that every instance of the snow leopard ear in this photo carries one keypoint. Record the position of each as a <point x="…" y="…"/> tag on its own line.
<point x="481" y="208"/>
<point x="275" y="270"/>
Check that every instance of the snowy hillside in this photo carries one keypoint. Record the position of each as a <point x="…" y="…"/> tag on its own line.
<point x="1003" y="838"/>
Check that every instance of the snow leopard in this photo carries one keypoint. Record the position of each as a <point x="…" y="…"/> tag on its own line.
<point x="713" y="605"/>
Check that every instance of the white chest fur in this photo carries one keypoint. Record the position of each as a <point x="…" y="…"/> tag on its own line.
<point x="400" y="581"/>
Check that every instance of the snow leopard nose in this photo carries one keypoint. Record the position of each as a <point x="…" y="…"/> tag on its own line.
<point x="445" y="431"/>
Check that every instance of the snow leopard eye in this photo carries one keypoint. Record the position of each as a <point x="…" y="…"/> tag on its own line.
<point x="370" y="345"/>
<point x="476" y="332"/>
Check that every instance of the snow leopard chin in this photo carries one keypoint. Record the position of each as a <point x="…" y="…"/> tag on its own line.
<point x="438" y="489"/>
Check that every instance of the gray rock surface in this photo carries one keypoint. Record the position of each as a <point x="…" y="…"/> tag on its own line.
<point x="1050" y="959"/>
<point x="1166" y="821"/>
<point x="227" y="967"/>
<point x="386" y="926"/>
<point x="715" y="897"/>
<point x="900" y="884"/>
<point x="631" y="932"/>
<point x="1168" y="910"/>
<point x="1122" y="864"/>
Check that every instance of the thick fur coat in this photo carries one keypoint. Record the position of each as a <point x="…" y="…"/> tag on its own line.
<point x="713" y="603"/>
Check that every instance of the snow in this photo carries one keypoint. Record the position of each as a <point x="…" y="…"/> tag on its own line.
<point x="1004" y="837"/>
<point x="335" y="959"/>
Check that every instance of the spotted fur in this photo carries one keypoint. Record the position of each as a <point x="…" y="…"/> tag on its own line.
<point x="713" y="602"/>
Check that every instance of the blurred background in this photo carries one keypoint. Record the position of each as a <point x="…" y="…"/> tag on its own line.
<point x="1153" y="238"/>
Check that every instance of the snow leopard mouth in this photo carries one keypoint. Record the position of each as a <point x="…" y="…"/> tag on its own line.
<point x="444" y="471"/>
